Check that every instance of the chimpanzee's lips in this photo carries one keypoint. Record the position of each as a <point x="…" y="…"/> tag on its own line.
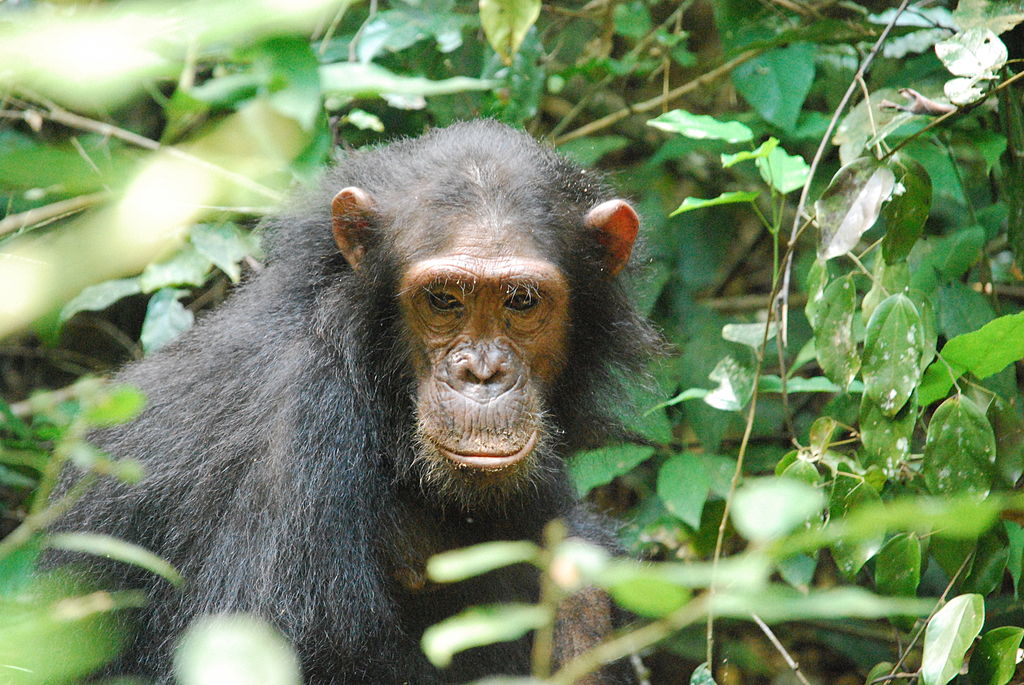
<point x="490" y="460"/>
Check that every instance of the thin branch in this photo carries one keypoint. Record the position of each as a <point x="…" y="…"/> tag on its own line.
<point x="793" y="665"/>
<point x="819" y="153"/>
<point x="50" y="212"/>
<point x="656" y="102"/>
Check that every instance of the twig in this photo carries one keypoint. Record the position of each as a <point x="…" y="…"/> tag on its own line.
<point x="55" y="113"/>
<point x="656" y="102"/>
<point x="51" y="212"/>
<point x="787" y="267"/>
<point x="793" y="665"/>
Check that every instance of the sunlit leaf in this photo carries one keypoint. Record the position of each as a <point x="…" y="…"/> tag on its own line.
<point x="851" y="204"/>
<point x="731" y="197"/>
<point x="505" y="23"/>
<point x="771" y="507"/>
<point x="991" y="348"/>
<point x="460" y="564"/>
<point x="701" y="127"/>
<point x="113" y="548"/>
<point x="235" y="650"/>
<point x="949" y="634"/>
<point x="363" y="80"/>
<point x="186" y="267"/>
<point x="782" y="171"/>
<point x="763" y="150"/>
<point x="735" y="378"/>
<point x="480" y="626"/>
<point x="100" y="296"/>
<point x="225" y="245"/>
<point x="959" y="450"/>
<point x="975" y="53"/>
<point x="118" y="405"/>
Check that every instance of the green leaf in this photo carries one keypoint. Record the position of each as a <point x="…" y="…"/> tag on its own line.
<point x="592" y="468"/>
<point x="994" y="660"/>
<point x="769" y="508"/>
<point x="817" y="280"/>
<point x="648" y="594"/>
<point x="459" y="564"/>
<point x="702" y="675"/>
<point x="833" y="332"/>
<point x="776" y="82"/>
<point x="949" y="634"/>
<point x="701" y="127"/>
<point x="886" y="439"/>
<point x="238" y="648"/>
<point x="936" y="382"/>
<point x="852" y="493"/>
<point x="294" y="81"/>
<point x="480" y="626"/>
<point x="735" y="378"/>
<point x="990" y="349"/>
<point x="959" y="450"/>
<point x="731" y="197"/>
<point x="773" y="383"/>
<point x="889" y="279"/>
<point x="119" y="405"/>
<point x="505" y="23"/>
<point x="369" y="80"/>
<point x="898" y="566"/>
<point x="113" y="548"/>
<point x="893" y="347"/>
<point x="100" y="296"/>
<point x="907" y="211"/>
<point x="165" y="320"/>
<point x="632" y="19"/>
<point x="225" y="245"/>
<point x="851" y="204"/>
<point x="186" y="267"/>
<point x="763" y="150"/>
<point x="976" y="53"/>
<point x="782" y="171"/>
<point x="750" y="334"/>
<point x="683" y="485"/>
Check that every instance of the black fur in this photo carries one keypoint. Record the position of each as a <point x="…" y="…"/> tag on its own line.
<point x="278" y="431"/>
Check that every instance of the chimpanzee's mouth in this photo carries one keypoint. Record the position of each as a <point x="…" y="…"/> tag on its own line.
<point x="490" y="461"/>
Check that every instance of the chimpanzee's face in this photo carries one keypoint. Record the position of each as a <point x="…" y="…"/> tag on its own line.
<point x="488" y="328"/>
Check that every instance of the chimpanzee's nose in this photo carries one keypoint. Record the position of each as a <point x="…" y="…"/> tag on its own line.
<point x="481" y="368"/>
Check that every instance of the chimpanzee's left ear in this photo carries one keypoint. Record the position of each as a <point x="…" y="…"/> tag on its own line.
<point x="351" y="211"/>
<point x="617" y="225"/>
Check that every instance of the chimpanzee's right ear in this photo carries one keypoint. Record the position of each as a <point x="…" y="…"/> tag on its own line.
<point x="351" y="211"/>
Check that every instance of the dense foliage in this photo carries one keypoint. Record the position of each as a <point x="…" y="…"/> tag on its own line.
<point x="823" y="476"/>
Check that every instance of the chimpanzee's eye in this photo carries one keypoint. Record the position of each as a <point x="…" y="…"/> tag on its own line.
<point x="521" y="300"/>
<point x="442" y="301"/>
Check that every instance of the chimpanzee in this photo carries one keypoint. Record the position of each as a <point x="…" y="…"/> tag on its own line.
<point x="438" y="325"/>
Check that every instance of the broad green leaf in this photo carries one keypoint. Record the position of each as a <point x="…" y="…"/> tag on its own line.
<point x="235" y="649"/>
<point x="459" y="564"/>
<point x="731" y="197"/>
<point x="702" y="676"/>
<point x="877" y="671"/>
<point x="817" y="280"/>
<point x="851" y="204"/>
<point x="936" y="382"/>
<point x="505" y="23"/>
<point x="113" y="548"/>
<point x="889" y="279"/>
<point x="776" y="82"/>
<point x="892" y="353"/>
<point x="118" y="405"/>
<point x="994" y="660"/>
<point x="225" y="245"/>
<point x="990" y="349"/>
<point x="1015" y="554"/>
<point x="683" y="484"/>
<point x="850" y="493"/>
<point x="735" y="378"/>
<point x="750" y="334"/>
<point x="632" y="19"/>
<point x="404" y="25"/>
<point x="763" y="150"/>
<point x="701" y="127"/>
<point x="187" y="267"/>
<point x="959" y="450"/>
<point x="769" y="508"/>
<point x="988" y="567"/>
<point x="648" y="593"/>
<point x="294" y="82"/>
<point x="369" y="80"/>
<point x="886" y="439"/>
<point x="166" y="319"/>
<point x="782" y="171"/>
<point x="929" y="331"/>
<point x="906" y="212"/>
<point x="782" y="603"/>
<point x="961" y="310"/>
<point x="100" y="296"/>
<point x="949" y="634"/>
<point x="898" y="566"/>
<point x="478" y="626"/>
<point x="592" y="468"/>
<point x="833" y="332"/>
